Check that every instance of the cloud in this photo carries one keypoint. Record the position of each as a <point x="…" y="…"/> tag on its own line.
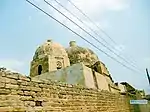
<point x="98" y="7"/>
<point x="94" y="9"/>
<point x="12" y="64"/>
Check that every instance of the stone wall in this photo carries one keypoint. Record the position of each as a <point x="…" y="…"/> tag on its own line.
<point x="135" y="107"/>
<point x="78" y="74"/>
<point x="23" y="94"/>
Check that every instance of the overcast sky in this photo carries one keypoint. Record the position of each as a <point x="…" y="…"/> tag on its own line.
<point x="23" y="28"/>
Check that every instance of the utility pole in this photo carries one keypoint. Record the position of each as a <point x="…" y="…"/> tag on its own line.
<point x="148" y="75"/>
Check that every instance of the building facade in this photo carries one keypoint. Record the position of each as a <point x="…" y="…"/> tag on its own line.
<point x="73" y="65"/>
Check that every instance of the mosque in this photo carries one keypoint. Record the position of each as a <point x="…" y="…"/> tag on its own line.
<point x="73" y="65"/>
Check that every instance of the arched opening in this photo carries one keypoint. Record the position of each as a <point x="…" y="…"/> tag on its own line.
<point x="39" y="69"/>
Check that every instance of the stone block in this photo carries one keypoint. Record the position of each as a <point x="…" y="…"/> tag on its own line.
<point x="25" y="88"/>
<point x="19" y="109"/>
<point x="36" y="80"/>
<point x="24" y="83"/>
<point x="11" y="103"/>
<point x="30" y="109"/>
<point x="2" y="74"/>
<point x="43" y="99"/>
<point x="11" y="81"/>
<point x="29" y="103"/>
<point x="38" y="109"/>
<point x="35" y="89"/>
<point x="2" y="85"/>
<point x="2" y="79"/>
<point x="4" y="103"/>
<point x="12" y="97"/>
<point x="49" y="108"/>
<point x="11" y="86"/>
<point x="3" y="97"/>
<point x="45" y="90"/>
<point x="14" y="92"/>
<point x="26" y="98"/>
<point x="24" y="78"/>
<point x="29" y="93"/>
<point x="20" y="92"/>
<point x="4" y="91"/>
<point x="12" y="76"/>
<point x="6" y="109"/>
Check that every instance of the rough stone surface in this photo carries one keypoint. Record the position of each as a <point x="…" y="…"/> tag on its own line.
<point x="49" y="96"/>
<point x="50" y="56"/>
<point x="79" y="54"/>
<point x="75" y="74"/>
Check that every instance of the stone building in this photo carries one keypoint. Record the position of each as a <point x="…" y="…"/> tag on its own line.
<point x="73" y="65"/>
<point x="49" y="57"/>
<point x="128" y="88"/>
<point x="83" y="85"/>
<point x="79" y="54"/>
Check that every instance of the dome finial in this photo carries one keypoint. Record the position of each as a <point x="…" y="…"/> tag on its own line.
<point x="49" y="40"/>
<point x="72" y="43"/>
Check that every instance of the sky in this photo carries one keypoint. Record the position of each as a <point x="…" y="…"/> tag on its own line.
<point x="23" y="28"/>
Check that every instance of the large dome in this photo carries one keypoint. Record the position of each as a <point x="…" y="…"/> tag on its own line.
<point x="49" y="48"/>
<point x="78" y="54"/>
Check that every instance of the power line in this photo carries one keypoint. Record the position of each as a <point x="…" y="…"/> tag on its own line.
<point x="79" y="20"/>
<point x="91" y="21"/>
<point x="79" y="35"/>
<point x="89" y="33"/>
<point x="96" y="26"/>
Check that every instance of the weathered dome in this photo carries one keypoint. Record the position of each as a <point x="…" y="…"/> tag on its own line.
<point x="50" y="48"/>
<point x="78" y="54"/>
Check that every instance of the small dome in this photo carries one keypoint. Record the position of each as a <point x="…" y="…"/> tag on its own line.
<point x="78" y="54"/>
<point x="50" y="48"/>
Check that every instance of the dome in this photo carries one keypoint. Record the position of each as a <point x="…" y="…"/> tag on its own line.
<point x="78" y="54"/>
<point x="50" y="48"/>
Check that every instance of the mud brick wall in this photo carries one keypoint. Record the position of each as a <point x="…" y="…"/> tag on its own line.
<point x="23" y="94"/>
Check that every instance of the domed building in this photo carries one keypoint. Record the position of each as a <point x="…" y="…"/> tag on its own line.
<point x="73" y="65"/>
<point x="79" y="54"/>
<point x="48" y="57"/>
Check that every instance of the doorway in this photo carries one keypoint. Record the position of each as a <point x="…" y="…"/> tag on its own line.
<point x="39" y="69"/>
